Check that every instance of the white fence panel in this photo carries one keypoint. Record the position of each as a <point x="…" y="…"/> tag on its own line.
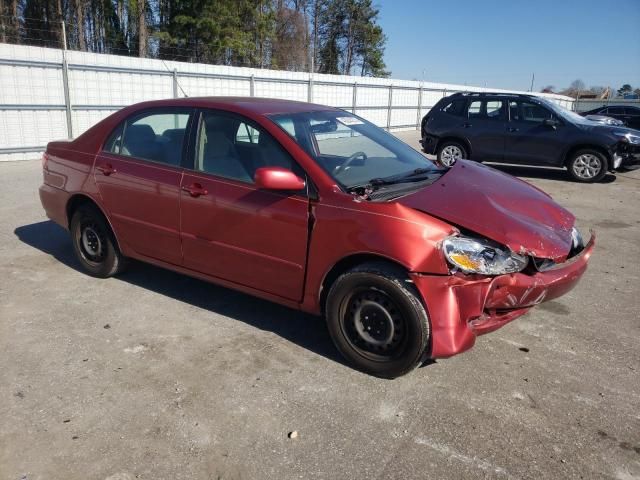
<point x="35" y="108"/>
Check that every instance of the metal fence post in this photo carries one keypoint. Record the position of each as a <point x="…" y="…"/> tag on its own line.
<point x="354" y="101"/>
<point x="175" y="83"/>
<point x="419" y="115"/>
<point x="252" y="86"/>
<point x="67" y="96"/>
<point x="389" y="107"/>
<point x="310" y="89"/>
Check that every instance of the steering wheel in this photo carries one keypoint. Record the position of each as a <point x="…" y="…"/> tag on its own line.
<point x="349" y="161"/>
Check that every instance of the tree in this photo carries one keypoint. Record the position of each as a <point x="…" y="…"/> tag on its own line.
<point x="574" y="89"/>
<point x="348" y="36"/>
<point x="624" y="90"/>
<point x="330" y="36"/>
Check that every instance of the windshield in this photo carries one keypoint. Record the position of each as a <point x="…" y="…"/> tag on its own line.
<point x="350" y="149"/>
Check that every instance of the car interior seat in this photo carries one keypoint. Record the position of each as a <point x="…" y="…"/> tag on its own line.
<point x="140" y="141"/>
<point x="219" y="156"/>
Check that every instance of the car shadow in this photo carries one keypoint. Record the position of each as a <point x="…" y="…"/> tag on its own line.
<point x="557" y="174"/>
<point x="305" y="330"/>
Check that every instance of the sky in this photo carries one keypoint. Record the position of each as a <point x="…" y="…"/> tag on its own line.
<point x="501" y="43"/>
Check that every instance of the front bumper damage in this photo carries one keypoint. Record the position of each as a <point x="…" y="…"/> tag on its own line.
<point x="626" y="155"/>
<point x="461" y="307"/>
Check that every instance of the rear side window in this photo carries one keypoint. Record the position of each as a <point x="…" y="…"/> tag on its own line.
<point x="487" y="110"/>
<point x="157" y="136"/>
<point x="455" y="107"/>
<point x="475" y="108"/>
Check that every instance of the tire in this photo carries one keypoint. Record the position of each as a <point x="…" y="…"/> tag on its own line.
<point x="381" y="294"/>
<point x="587" y="166"/>
<point x="94" y="243"/>
<point x="450" y="152"/>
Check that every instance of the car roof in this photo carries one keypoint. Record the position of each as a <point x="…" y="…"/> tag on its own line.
<point x="255" y="105"/>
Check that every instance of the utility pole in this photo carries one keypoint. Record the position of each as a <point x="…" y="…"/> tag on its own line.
<point x="533" y="77"/>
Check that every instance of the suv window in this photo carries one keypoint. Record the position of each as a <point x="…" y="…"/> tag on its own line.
<point x="474" y="109"/>
<point x="455" y="107"/>
<point x="616" y="110"/>
<point x="487" y="109"/>
<point x="520" y="111"/>
<point x="229" y="146"/>
<point x="157" y="136"/>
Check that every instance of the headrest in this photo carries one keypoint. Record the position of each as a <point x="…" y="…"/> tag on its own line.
<point x="174" y="134"/>
<point x="139" y="133"/>
<point x="218" y="145"/>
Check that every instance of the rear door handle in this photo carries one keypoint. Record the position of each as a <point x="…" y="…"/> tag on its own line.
<point x="195" y="190"/>
<point x="513" y="129"/>
<point x="106" y="169"/>
<point x="467" y="125"/>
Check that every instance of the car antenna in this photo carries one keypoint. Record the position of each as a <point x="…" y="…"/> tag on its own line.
<point x="175" y="78"/>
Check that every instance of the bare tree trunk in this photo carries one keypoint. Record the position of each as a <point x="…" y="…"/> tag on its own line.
<point x="13" y="21"/>
<point x="314" y="48"/>
<point x="59" y="20"/>
<point x="79" y="8"/>
<point x="142" y="29"/>
<point x="3" y="23"/>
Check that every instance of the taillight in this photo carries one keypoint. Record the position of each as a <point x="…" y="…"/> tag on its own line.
<point x="45" y="159"/>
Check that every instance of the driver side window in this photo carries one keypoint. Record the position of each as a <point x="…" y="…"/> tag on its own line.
<point x="529" y="112"/>
<point x="231" y="147"/>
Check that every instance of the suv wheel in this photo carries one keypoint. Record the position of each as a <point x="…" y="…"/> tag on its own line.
<point x="377" y="321"/>
<point x="450" y="152"/>
<point x="587" y="166"/>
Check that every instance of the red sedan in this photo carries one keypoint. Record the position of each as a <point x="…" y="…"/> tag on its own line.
<point x="317" y="209"/>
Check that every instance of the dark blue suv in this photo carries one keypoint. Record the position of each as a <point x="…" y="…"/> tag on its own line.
<point x="526" y="130"/>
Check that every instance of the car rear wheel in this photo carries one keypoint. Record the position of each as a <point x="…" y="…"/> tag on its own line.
<point x="94" y="243"/>
<point x="377" y="321"/>
<point x="587" y="166"/>
<point x="450" y="152"/>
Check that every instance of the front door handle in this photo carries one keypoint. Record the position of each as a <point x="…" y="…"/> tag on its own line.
<point x="106" y="169"/>
<point x="195" y="190"/>
<point x="466" y="125"/>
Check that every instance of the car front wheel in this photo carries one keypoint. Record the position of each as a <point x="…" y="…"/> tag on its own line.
<point x="450" y="152"/>
<point x="94" y="243"/>
<point x="587" y="166"/>
<point x="377" y="321"/>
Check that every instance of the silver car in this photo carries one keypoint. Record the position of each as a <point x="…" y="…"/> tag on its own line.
<point x="605" y="120"/>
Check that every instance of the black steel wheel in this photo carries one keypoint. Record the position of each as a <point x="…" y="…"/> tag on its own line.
<point x="377" y="320"/>
<point x="94" y="243"/>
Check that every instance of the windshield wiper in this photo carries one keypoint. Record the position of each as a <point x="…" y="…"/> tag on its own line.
<point x="416" y="175"/>
<point x="413" y="176"/>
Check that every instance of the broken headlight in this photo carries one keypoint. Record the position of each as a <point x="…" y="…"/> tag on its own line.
<point x="475" y="255"/>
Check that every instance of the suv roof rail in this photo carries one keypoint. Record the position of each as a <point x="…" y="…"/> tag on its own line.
<point x="491" y="94"/>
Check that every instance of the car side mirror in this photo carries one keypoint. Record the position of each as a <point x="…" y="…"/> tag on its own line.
<point x="551" y="122"/>
<point x="277" y="178"/>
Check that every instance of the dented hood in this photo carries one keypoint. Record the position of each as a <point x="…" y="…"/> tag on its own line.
<point x="499" y="207"/>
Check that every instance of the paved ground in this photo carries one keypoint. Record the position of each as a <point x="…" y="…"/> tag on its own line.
<point x="158" y="376"/>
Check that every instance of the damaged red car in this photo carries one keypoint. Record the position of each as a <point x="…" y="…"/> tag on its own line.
<point x="319" y="210"/>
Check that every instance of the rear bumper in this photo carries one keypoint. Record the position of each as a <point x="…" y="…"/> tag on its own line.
<point x="461" y="307"/>
<point x="54" y="201"/>
<point x="429" y="143"/>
